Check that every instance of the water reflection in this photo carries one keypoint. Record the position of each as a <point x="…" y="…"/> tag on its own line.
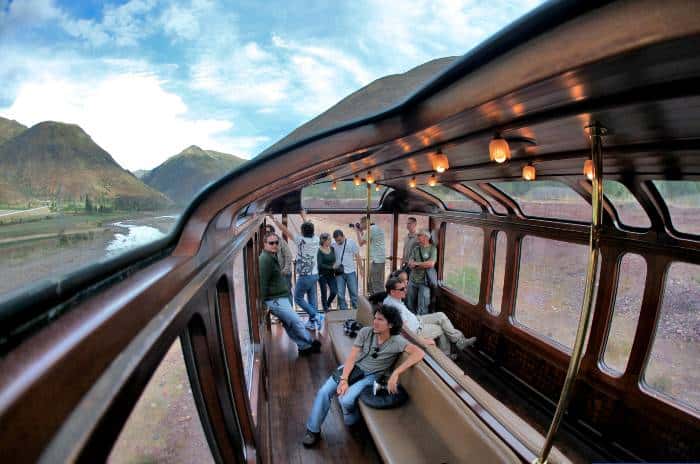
<point x="135" y="236"/>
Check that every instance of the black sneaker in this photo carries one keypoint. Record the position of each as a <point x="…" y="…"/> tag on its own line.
<point x="315" y="346"/>
<point x="310" y="438"/>
<point x="306" y="351"/>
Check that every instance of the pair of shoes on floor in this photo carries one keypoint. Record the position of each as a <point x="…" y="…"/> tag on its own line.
<point x="314" y="348"/>
<point x="465" y="343"/>
<point x="310" y="438"/>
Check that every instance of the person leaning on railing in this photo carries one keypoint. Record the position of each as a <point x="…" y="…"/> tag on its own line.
<point x="275" y="294"/>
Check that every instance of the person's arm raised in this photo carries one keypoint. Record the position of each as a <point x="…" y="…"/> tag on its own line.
<point x="415" y="355"/>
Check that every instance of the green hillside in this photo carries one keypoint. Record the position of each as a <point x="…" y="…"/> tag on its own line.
<point x="185" y="174"/>
<point x="10" y="128"/>
<point x="60" y="164"/>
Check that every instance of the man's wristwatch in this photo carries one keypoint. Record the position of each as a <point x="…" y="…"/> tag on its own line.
<point x="343" y="379"/>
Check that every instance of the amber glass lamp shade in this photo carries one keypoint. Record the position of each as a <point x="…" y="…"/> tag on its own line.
<point x="529" y="172"/>
<point x="588" y="169"/>
<point x="369" y="178"/>
<point x="412" y="182"/>
<point x="377" y="188"/>
<point x="357" y="181"/>
<point x="499" y="151"/>
<point x="432" y="180"/>
<point x="441" y="163"/>
<point x="334" y="185"/>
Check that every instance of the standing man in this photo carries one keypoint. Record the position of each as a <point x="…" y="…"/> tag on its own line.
<point x="305" y="293"/>
<point x="346" y="254"/>
<point x="422" y="257"/>
<point x="377" y="253"/>
<point x="284" y="258"/>
<point x="410" y="241"/>
<point x="275" y="293"/>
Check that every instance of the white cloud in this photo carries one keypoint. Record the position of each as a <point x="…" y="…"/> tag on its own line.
<point x="130" y="115"/>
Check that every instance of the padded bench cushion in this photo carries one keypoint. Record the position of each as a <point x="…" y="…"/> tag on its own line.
<point x="434" y="426"/>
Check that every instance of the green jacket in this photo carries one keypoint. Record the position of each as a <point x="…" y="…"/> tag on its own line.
<point x="272" y="284"/>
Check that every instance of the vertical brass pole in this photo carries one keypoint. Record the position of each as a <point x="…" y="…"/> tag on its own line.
<point x="595" y="132"/>
<point x="368" y="269"/>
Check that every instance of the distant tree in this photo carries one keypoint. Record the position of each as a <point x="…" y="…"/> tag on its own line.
<point x="88" y="204"/>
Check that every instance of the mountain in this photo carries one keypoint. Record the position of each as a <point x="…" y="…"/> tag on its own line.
<point x="139" y="173"/>
<point x="183" y="175"/>
<point x="60" y="163"/>
<point x="10" y="128"/>
<point x="379" y="95"/>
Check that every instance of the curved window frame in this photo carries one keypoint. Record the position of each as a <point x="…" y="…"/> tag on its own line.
<point x="427" y="190"/>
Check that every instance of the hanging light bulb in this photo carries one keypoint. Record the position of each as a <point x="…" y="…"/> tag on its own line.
<point x="377" y="187"/>
<point x="432" y="180"/>
<point x="499" y="151"/>
<point x="412" y="182"/>
<point x="370" y="177"/>
<point x="334" y="185"/>
<point x="529" y="172"/>
<point x="441" y="162"/>
<point x="588" y="169"/>
<point x="357" y="181"/>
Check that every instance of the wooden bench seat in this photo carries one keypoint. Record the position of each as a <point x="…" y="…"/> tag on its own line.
<point x="435" y="425"/>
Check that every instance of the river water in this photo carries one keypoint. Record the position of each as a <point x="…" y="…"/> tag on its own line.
<point x="136" y="235"/>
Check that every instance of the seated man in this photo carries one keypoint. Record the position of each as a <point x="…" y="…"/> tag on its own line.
<point x="429" y="326"/>
<point x="375" y="350"/>
<point x="275" y="294"/>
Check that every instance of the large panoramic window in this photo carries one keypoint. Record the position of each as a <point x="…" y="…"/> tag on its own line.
<point x="346" y="196"/>
<point x="463" y="260"/>
<point x="628" y="208"/>
<point x="499" y="271"/>
<point x="495" y="204"/>
<point x="551" y="282"/>
<point x="628" y="302"/>
<point x="164" y="425"/>
<point x="452" y="199"/>
<point x="242" y="318"/>
<point x="672" y="367"/>
<point x="547" y="199"/>
<point x="683" y="201"/>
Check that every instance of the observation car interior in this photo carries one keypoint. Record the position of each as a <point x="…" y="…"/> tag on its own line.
<point x="504" y="157"/>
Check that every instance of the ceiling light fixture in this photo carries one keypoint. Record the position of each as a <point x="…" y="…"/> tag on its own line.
<point x="499" y="151"/>
<point x="441" y="162"/>
<point x="357" y="181"/>
<point x="334" y="185"/>
<point x="370" y="177"/>
<point x="432" y="180"/>
<point x="529" y="172"/>
<point x="412" y="182"/>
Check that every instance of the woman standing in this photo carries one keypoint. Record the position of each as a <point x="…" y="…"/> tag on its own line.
<point x="326" y="271"/>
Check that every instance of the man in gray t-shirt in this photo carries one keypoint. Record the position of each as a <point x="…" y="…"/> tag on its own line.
<point x="374" y="351"/>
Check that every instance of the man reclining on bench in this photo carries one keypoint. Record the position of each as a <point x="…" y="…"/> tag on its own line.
<point x="428" y="326"/>
<point x="374" y="351"/>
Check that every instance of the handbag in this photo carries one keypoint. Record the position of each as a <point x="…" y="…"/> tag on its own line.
<point x="356" y="373"/>
<point x="378" y="397"/>
<point x="340" y="270"/>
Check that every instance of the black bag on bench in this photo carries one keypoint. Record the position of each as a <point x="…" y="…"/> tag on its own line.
<point x="378" y="397"/>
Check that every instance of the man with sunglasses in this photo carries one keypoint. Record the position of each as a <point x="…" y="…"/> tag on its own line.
<point x="428" y="326"/>
<point x="275" y="293"/>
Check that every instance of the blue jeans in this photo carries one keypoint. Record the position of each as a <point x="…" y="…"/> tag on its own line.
<point x="306" y="286"/>
<point x="282" y="309"/>
<point x="329" y="290"/>
<point x="418" y="298"/>
<point x="348" y="402"/>
<point x="350" y="280"/>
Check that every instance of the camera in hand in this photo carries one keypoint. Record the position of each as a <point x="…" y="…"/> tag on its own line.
<point x="356" y="225"/>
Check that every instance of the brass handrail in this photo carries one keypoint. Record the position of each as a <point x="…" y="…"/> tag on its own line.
<point x="595" y="132"/>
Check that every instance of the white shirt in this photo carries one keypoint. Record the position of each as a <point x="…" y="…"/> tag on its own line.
<point x="351" y="249"/>
<point x="409" y="319"/>
<point x="306" y="255"/>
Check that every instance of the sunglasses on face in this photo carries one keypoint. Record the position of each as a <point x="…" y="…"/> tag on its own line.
<point x="273" y="243"/>
<point x="400" y="289"/>
<point x="376" y="352"/>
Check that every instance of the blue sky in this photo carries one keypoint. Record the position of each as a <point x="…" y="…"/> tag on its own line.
<point x="147" y="78"/>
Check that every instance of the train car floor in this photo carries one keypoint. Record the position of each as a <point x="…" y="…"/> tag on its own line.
<point x="294" y="382"/>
